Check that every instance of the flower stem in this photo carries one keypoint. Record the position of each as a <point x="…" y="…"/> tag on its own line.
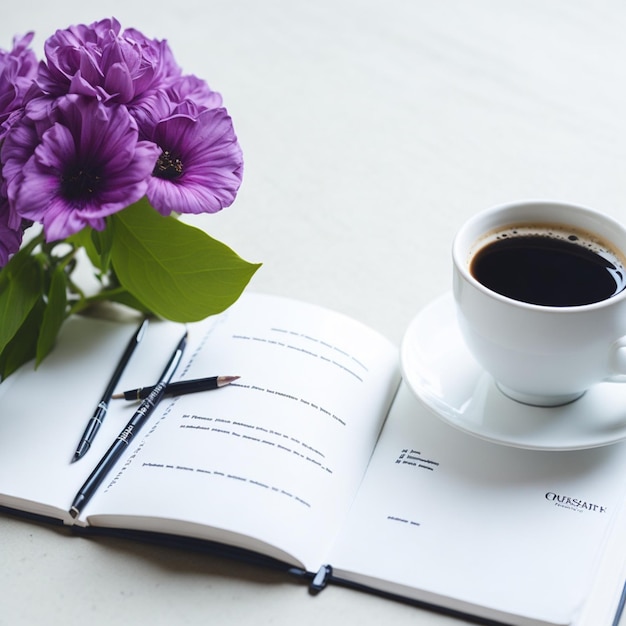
<point x="85" y="302"/>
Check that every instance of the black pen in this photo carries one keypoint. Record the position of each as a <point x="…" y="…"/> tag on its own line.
<point x="95" y="421"/>
<point x="179" y="388"/>
<point x="122" y="441"/>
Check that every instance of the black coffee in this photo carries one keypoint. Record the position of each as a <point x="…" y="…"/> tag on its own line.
<point x="548" y="270"/>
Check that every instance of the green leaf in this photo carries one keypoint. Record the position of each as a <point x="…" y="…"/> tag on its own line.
<point x="97" y="245"/>
<point x="22" y="347"/>
<point x="54" y="314"/>
<point x="103" y="240"/>
<point x="175" y="270"/>
<point x="83" y="239"/>
<point x="21" y="284"/>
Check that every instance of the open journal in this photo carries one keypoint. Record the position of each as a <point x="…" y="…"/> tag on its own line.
<point x="318" y="458"/>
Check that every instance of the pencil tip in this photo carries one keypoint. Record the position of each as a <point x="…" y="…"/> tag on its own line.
<point x="222" y="381"/>
<point x="117" y="396"/>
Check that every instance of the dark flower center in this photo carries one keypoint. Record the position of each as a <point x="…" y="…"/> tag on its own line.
<point x="168" y="166"/>
<point x="80" y="183"/>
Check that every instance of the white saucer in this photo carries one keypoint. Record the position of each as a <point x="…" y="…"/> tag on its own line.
<point x="442" y="373"/>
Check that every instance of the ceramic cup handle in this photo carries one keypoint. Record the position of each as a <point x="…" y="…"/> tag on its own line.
<point x="618" y="361"/>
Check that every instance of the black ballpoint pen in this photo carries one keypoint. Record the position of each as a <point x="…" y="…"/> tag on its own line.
<point x="123" y="440"/>
<point x="181" y="387"/>
<point x="94" y="423"/>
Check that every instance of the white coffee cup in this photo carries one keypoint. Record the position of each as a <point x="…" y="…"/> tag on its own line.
<point x="542" y="354"/>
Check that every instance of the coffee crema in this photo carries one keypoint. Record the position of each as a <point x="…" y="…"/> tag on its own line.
<point x="548" y="265"/>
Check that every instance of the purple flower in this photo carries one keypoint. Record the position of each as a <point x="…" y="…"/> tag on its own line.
<point x="17" y="70"/>
<point x="84" y="164"/>
<point x="200" y="166"/>
<point x="194" y="89"/>
<point x="10" y="237"/>
<point x="100" y="61"/>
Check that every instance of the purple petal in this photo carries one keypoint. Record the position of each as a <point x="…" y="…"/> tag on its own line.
<point x="10" y="237"/>
<point x="119" y="83"/>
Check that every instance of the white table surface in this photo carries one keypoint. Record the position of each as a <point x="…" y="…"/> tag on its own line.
<point x="370" y="130"/>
